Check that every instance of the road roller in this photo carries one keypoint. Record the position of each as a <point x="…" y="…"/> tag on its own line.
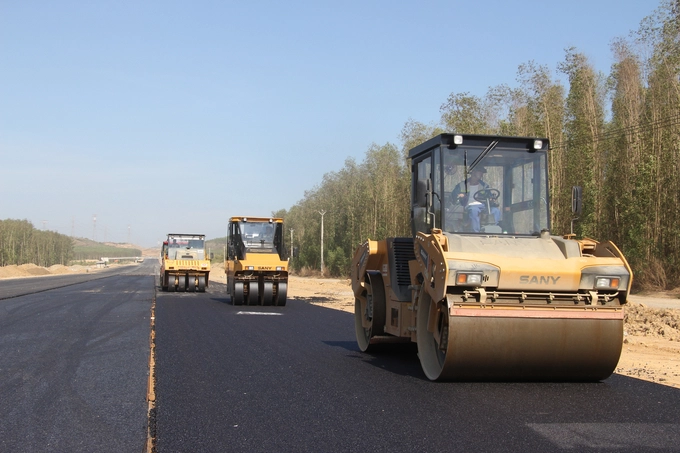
<point x="255" y="263"/>
<point x="483" y="286"/>
<point x="184" y="264"/>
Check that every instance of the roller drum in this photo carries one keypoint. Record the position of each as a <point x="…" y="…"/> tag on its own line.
<point x="561" y="346"/>
<point x="369" y="315"/>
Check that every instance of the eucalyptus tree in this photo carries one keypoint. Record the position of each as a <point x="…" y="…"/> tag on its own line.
<point x="414" y="133"/>
<point x="661" y="32"/>
<point x="361" y="201"/>
<point x="21" y="243"/>
<point x="467" y="114"/>
<point x="627" y="192"/>
<point x="541" y="113"/>
<point x="584" y="124"/>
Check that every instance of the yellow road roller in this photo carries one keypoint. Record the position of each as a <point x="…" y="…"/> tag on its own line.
<point x="184" y="264"/>
<point x="255" y="264"/>
<point x="482" y="286"/>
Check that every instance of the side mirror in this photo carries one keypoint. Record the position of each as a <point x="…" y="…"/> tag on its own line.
<point x="576" y="200"/>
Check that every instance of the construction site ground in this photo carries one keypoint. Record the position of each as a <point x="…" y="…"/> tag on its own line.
<point x="651" y="349"/>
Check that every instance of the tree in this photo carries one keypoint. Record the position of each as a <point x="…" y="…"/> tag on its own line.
<point x="584" y="123"/>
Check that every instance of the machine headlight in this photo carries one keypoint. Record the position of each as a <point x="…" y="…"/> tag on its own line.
<point x="458" y="139"/>
<point x="538" y="144"/>
<point x="607" y="282"/>
<point x="469" y="278"/>
<point x="250" y="268"/>
<point x="279" y="268"/>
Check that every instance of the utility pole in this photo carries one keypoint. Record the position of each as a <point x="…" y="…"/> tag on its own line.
<point x="291" y="242"/>
<point x="322" y="212"/>
<point x="94" y="227"/>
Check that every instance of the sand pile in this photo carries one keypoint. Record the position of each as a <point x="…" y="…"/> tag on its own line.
<point x="650" y="322"/>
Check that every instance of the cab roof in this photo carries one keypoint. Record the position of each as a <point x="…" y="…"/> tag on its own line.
<point x="477" y="140"/>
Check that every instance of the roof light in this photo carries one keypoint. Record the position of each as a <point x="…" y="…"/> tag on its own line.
<point x="538" y="144"/>
<point x="457" y="139"/>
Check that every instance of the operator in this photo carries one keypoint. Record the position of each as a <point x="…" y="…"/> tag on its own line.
<point x="464" y="193"/>
<point x="269" y="233"/>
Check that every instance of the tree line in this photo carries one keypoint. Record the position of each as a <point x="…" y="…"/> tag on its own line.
<point x="97" y="251"/>
<point x="617" y="135"/>
<point x="21" y="243"/>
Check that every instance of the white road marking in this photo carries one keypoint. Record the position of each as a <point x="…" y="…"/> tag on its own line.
<point x="258" y="313"/>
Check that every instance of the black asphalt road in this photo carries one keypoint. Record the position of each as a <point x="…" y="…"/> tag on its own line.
<point x="291" y="379"/>
<point x="22" y="286"/>
<point x="74" y="362"/>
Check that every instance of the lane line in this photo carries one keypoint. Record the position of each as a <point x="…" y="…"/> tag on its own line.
<point x="265" y="313"/>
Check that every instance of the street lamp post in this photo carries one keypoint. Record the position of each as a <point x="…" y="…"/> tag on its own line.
<point x="322" y="212"/>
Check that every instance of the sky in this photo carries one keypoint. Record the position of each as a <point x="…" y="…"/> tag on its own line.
<point x="123" y="121"/>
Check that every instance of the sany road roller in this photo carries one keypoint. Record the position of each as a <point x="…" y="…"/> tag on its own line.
<point x="482" y="286"/>
<point x="184" y="264"/>
<point x="256" y="266"/>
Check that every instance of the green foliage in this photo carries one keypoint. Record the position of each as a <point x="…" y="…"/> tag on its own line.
<point x="216" y="247"/>
<point x="370" y="199"/>
<point x="97" y="250"/>
<point x="467" y="114"/>
<point x="21" y="243"/>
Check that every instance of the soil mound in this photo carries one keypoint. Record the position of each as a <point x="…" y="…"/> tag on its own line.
<point x="650" y="322"/>
<point x="32" y="269"/>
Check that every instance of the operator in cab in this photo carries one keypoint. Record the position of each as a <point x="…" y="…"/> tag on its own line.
<point x="464" y="193"/>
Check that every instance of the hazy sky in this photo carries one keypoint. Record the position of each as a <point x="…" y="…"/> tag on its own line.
<point x="169" y="116"/>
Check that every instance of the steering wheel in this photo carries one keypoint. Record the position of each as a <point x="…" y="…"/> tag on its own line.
<point x="487" y="194"/>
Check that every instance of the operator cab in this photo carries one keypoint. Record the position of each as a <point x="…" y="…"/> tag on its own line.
<point x="254" y="235"/>
<point x="184" y="246"/>
<point x="477" y="184"/>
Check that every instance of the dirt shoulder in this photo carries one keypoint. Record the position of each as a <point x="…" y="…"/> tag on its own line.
<point x="31" y="270"/>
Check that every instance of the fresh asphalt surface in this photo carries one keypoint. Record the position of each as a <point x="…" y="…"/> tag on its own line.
<point x="23" y="286"/>
<point x="268" y="379"/>
<point x="74" y="364"/>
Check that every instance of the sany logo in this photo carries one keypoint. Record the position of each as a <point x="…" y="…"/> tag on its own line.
<point x="539" y="280"/>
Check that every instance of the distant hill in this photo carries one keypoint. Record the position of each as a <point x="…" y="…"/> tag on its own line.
<point x="216" y="247"/>
<point x="87" y="249"/>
